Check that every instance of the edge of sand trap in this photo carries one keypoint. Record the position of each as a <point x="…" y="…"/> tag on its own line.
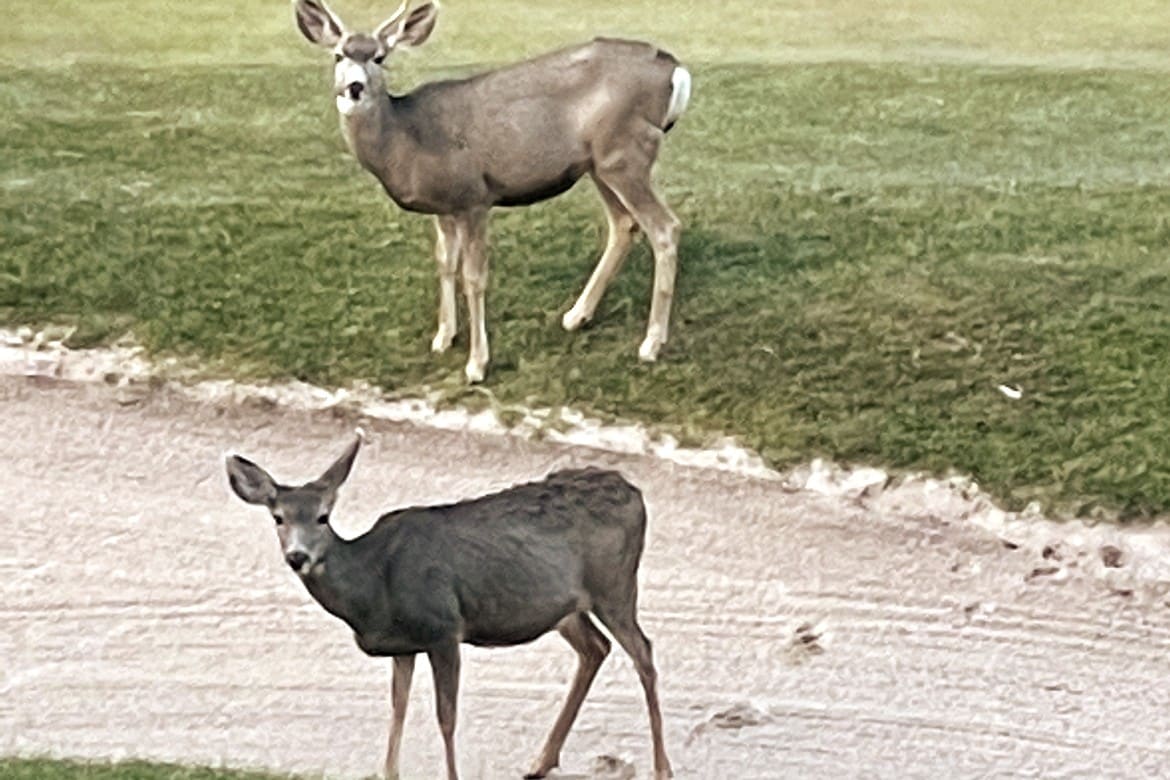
<point x="1131" y="562"/>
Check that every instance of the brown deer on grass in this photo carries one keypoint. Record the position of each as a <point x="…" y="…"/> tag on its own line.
<point x="511" y="137"/>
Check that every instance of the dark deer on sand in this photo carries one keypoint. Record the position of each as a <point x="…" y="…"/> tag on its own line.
<point x="494" y="571"/>
<point x="511" y="137"/>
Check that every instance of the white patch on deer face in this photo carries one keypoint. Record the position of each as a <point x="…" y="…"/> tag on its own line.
<point x="352" y="84"/>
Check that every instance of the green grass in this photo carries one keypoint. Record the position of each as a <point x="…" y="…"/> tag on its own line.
<point x="52" y="769"/>
<point x="870" y="248"/>
<point x="141" y="32"/>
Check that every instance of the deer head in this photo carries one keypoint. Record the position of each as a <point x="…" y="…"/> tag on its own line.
<point x="301" y="513"/>
<point x="358" y="82"/>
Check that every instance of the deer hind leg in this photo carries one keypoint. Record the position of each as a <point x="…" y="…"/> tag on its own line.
<point x="399" y="698"/>
<point x="592" y="647"/>
<point x="627" y="172"/>
<point x="447" y="248"/>
<point x="472" y="230"/>
<point x="623" y="229"/>
<point x="621" y="622"/>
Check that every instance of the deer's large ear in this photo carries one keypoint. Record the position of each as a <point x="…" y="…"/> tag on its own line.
<point x="332" y="479"/>
<point x="411" y="29"/>
<point x="250" y="482"/>
<point x="320" y="25"/>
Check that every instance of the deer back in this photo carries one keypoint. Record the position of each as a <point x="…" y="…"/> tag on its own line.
<point x="519" y="134"/>
<point x="505" y="568"/>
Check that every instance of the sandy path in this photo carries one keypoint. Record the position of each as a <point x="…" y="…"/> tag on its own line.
<point x="144" y="612"/>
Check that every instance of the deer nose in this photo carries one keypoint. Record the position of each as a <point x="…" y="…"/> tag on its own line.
<point x="355" y="90"/>
<point x="296" y="559"/>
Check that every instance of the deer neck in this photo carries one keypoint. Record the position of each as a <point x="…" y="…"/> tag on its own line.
<point x="368" y="133"/>
<point x="343" y="584"/>
<point x="385" y="140"/>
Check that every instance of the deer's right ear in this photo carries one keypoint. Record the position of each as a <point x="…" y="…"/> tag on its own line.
<point x="250" y="482"/>
<point x="320" y="25"/>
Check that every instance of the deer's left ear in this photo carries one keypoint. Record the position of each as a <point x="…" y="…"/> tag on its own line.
<point x="331" y="480"/>
<point x="411" y="29"/>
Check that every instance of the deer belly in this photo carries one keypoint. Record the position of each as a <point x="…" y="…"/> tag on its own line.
<point x="501" y="625"/>
<point x="380" y="645"/>
<point x="523" y="190"/>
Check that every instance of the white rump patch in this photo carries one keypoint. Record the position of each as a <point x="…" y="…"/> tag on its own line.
<point x="680" y="94"/>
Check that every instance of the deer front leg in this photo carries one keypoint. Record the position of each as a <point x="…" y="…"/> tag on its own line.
<point x="447" y="248"/>
<point x="475" y="279"/>
<point x="399" y="697"/>
<point x="445" y="669"/>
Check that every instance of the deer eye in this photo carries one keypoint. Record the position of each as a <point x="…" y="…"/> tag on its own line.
<point x="323" y="520"/>
<point x="379" y="59"/>
<point x="337" y="58"/>
<point x="279" y="520"/>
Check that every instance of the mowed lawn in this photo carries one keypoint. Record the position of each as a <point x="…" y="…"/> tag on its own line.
<point x="888" y="214"/>
<point x="46" y="769"/>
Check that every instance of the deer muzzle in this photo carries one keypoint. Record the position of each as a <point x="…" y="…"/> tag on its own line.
<point x="297" y="559"/>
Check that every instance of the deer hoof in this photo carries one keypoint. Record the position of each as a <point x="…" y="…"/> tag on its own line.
<point x="442" y="340"/>
<point x="541" y="768"/>
<point x="648" y="352"/>
<point x="474" y="372"/>
<point x="574" y="318"/>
